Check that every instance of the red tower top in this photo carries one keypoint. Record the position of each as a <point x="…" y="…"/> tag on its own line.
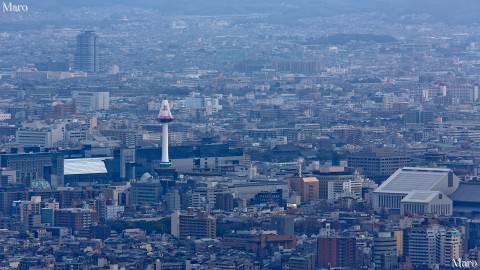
<point x="165" y="115"/>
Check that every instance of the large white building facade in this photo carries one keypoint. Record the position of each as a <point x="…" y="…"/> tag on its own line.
<point x="92" y="101"/>
<point x="389" y="195"/>
<point x="44" y="137"/>
<point x="426" y="202"/>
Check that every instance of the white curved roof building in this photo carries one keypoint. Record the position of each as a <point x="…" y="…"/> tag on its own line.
<point x="406" y="180"/>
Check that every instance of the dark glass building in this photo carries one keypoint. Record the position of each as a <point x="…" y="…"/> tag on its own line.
<point x="32" y="166"/>
<point x="87" y="52"/>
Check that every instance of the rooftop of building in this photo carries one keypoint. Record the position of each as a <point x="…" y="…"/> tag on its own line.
<point x="467" y="192"/>
<point x="75" y="210"/>
<point x="308" y="179"/>
<point x="85" y="166"/>
<point x="420" y="196"/>
<point x="377" y="152"/>
<point x="408" y="179"/>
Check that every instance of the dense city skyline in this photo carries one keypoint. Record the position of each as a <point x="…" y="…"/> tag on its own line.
<point x="244" y="135"/>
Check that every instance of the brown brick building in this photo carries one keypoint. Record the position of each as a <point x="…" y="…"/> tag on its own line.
<point x="336" y="252"/>
<point x="197" y="225"/>
<point x="75" y="218"/>
<point x="306" y="187"/>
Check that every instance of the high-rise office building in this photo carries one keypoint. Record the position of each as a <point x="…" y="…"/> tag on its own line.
<point x="449" y="247"/>
<point x="420" y="244"/>
<point x="197" y="225"/>
<point x="146" y="192"/>
<point x="385" y="251"/>
<point x="336" y="251"/>
<point x="101" y="207"/>
<point x="87" y="53"/>
<point x="28" y="213"/>
<point x="378" y="163"/>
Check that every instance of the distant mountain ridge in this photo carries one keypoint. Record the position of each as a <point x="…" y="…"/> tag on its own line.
<point x="451" y="11"/>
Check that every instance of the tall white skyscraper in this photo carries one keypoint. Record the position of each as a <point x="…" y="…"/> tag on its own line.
<point x="449" y="247"/>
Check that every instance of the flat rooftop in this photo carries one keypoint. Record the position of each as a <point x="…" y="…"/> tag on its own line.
<point x="412" y="178"/>
<point x="85" y="166"/>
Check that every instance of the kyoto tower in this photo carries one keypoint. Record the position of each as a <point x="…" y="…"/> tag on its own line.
<point x="165" y="117"/>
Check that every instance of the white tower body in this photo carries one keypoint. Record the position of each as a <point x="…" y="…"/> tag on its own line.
<point x="165" y="158"/>
<point x="165" y="117"/>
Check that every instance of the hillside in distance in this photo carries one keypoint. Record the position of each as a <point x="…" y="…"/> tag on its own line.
<point x="449" y="11"/>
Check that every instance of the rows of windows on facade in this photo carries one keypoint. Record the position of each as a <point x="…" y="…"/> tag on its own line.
<point x="87" y="55"/>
